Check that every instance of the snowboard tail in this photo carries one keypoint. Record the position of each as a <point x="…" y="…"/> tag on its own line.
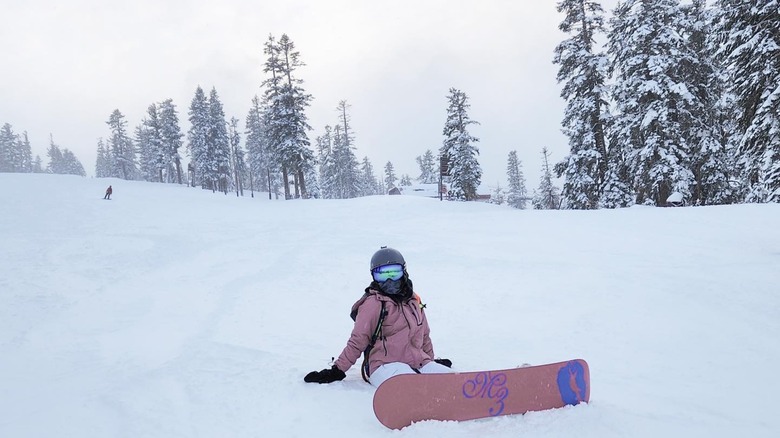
<point x="407" y="398"/>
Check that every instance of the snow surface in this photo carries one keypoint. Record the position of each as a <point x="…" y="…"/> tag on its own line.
<point x="174" y="312"/>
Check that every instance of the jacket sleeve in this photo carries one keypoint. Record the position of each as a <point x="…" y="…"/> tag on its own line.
<point x="427" y="343"/>
<point x="365" y="323"/>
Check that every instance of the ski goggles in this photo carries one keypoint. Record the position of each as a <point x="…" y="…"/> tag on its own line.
<point x="387" y="272"/>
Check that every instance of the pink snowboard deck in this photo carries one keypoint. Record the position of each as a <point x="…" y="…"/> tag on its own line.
<point x="404" y="399"/>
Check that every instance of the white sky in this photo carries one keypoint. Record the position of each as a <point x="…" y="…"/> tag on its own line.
<point x="68" y="65"/>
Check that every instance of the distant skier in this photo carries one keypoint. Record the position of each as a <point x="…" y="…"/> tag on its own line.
<point x="390" y="328"/>
<point x="109" y="191"/>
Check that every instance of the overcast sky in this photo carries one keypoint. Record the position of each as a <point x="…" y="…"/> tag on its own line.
<point x="68" y="64"/>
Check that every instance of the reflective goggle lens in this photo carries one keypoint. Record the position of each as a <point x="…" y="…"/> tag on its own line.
<point x="388" y="272"/>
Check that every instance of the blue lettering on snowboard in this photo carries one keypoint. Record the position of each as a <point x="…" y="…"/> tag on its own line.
<point x="488" y="385"/>
<point x="571" y="383"/>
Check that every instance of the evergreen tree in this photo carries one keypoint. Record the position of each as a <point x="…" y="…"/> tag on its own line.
<point x="345" y="164"/>
<point x="517" y="196"/>
<point x="103" y="162"/>
<point x="406" y="180"/>
<point x="286" y="102"/>
<point x="547" y="196"/>
<point x="197" y="143"/>
<point x="584" y="72"/>
<point x="63" y="161"/>
<point x="121" y="146"/>
<point x="750" y="48"/>
<point x="368" y="182"/>
<point x="261" y="160"/>
<point x="459" y="150"/>
<point x="237" y="157"/>
<point x="327" y="166"/>
<point x="428" y="171"/>
<point x="218" y="146"/>
<point x="71" y="165"/>
<point x="171" y="136"/>
<point x="147" y="170"/>
<point x="711" y="154"/>
<point x="654" y="104"/>
<point x="56" y="162"/>
<point x="390" y="177"/>
<point x="157" y="156"/>
<point x="7" y="145"/>
<point x="37" y="166"/>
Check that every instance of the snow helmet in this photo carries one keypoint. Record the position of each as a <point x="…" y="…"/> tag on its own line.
<point x="387" y="256"/>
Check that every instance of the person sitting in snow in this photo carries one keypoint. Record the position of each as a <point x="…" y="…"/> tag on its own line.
<point x="108" y="193"/>
<point x="391" y="329"/>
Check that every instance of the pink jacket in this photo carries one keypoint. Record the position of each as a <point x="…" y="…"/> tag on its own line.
<point x="404" y="337"/>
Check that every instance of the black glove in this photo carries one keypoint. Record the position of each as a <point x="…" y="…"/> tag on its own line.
<point x="327" y="375"/>
<point x="446" y="362"/>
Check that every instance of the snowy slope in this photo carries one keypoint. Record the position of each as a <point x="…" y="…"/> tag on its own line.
<point x="174" y="312"/>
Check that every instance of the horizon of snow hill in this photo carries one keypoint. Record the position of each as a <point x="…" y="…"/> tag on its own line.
<point x="171" y="311"/>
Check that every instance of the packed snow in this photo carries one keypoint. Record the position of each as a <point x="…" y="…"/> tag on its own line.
<point x="172" y="311"/>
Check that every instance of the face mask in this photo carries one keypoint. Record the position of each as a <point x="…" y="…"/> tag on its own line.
<point x="391" y="287"/>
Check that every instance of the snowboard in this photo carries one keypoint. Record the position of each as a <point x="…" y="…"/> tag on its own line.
<point x="404" y="399"/>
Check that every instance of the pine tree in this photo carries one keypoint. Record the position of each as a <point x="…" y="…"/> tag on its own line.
<point x="750" y="48"/>
<point x="427" y="164"/>
<point x="171" y="137"/>
<point x="584" y="72"/>
<point x="653" y="101"/>
<point x="7" y="146"/>
<point x="237" y="157"/>
<point x="154" y="153"/>
<point x="344" y="162"/>
<point x="121" y="146"/>
<point x="56" y="162"/>
<point x="197" y="143"/>
<point x="517" y="196"/>
<point x="390" y="177"/>
<point x="711" y="155"/>
<point x="368" y="182"/>
<point x="261" y="160"/>
<point x="459" y="150"/>
<point x="218" y="145"/>
<point x="547" y="196"/>
<point x="103" y="162"/>
<point x="145" y="151"/>
<point x="285" y="117"/>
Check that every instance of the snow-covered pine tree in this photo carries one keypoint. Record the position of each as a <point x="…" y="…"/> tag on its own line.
<point x="652" y="98"/>
<point x="261" y="167"/>
<point x="145" y="151"/>
<point x="103" y="161"/>
<point x="155" y="147"/>
<point x="24" y="154"/>
<point x="327" y="171"/>
<point x="56" y="163"/>
<point x="368" y="182"/>
<point x="286" y="102"/>
<point x="428" y="168"/>
<point x="345" y="164"/>
<point x="37" y="166"/>
<point x="749" y="41"/>
<point x="711" y="157"/>
<point x="547" y="196"/>
<point x="583" y="72"/>
<point x="63" y="161"/>
<point x="406" y="180"/>
<point x="459" y="148"/>
<point x="71" y="165"/>
<point x="390" y="177"/>
<point x="121" y="146"/>
<point x="237" y="157"/>
<point x="218" y="145"/>
<point x="517" y="194"/>
<point x="197" y="144"/>
<point x="171" y="136"/>
<point x="7" y="145"/>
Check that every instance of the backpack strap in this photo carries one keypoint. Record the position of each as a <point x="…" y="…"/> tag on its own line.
<point x="374" y="336"/>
